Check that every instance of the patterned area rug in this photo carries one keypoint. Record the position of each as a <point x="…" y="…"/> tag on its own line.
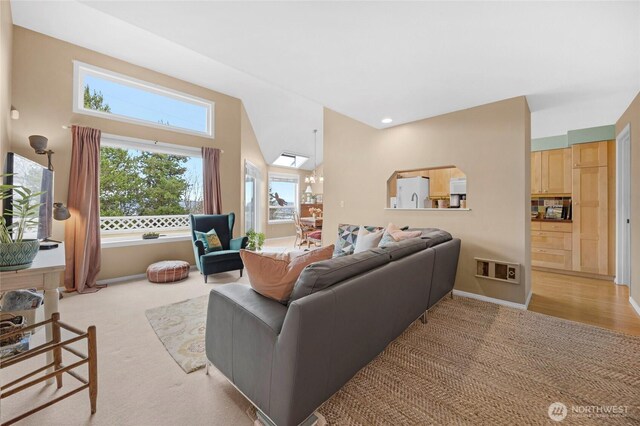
<point x="478" y="363"/>
<point x="180" y="327"/>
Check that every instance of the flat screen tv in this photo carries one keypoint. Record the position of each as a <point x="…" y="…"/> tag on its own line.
<point x="29" y="174"/>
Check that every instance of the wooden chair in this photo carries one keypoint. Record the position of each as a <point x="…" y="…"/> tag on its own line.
<point x="302" y="232"/>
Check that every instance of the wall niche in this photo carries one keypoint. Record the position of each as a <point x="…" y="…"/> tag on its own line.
<point x="443" y="187"/>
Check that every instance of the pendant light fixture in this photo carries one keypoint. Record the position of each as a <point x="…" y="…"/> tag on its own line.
<point x="313" y="177"/>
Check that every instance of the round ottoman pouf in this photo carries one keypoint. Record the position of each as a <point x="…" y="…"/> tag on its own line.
<point x="168" y="271"/>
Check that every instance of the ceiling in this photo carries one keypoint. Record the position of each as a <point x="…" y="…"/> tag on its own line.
<point x="578" y="63"/>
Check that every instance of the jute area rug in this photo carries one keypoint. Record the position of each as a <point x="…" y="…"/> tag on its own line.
<point x="473" y="363"/>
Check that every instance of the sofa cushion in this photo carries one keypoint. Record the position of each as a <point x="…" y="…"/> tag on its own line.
<point x="347" y="238"/>
<point x="394" y="233"/>
<point x="273" y="275"/>
<point x="326" y="273"/>
<point x="433" y="236"/>
<point x="404" y="248"/>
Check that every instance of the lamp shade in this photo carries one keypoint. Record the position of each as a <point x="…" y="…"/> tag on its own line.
<point x="38" y="143"/>
<point x="60" y="212"/>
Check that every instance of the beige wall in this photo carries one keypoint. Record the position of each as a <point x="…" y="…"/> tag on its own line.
<point x="42" y="91"/>
<point x="251" y="151"/>
<point x="6" y="49"/>
<point x="318" y="187"/>
<point x="490" y="143"/>
<point x="632" y="116"/>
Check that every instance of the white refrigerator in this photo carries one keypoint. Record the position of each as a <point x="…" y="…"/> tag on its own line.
<point x="412" y="192"/>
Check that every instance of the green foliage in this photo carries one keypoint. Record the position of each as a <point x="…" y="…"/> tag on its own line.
<point x="163" y="182"/>
<point x="255" y="240"/>
<point x="142" y="184"/>
<point x="95" y="101"/>
<point x="25" y="209"/>
<point x="120" y="184"/>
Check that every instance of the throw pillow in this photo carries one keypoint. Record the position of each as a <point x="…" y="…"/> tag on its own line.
<point x="274" y="275"/>
<point x="394" y="234"/>
<point x="210" y="240"/>
<point x="367" y="240"/>
<point x="347" y="238"/>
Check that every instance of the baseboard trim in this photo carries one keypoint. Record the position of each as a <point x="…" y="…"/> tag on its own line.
<point x="526" y="303"/>
<point x="635" y="305"/>
<point x="127" y="278"/>
<point x="574" y="273"/>
<point x="514" y="305"/>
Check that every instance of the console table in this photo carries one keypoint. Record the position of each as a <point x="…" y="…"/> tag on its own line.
<point x="44" y="274"/>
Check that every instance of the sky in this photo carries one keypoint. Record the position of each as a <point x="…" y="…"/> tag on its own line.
<point x="136" y="103"/>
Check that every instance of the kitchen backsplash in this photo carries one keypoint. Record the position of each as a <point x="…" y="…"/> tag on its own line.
<point x="539" y="206"/>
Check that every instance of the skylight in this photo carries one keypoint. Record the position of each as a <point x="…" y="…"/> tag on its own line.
<point x="290" y="160"/>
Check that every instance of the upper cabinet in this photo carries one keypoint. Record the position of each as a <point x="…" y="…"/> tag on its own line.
<point x="439" y="182"/>
<point x="590" y="154"/>
<point x="551" y="172"/>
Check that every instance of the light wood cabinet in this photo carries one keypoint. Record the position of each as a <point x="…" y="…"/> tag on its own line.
<point x="590" y="218"/>
<point x="556" y="171"/>
<point x="551" y="172"/>
<point x="439" y="182"/>
<point x="551" y="258"/>
<point x="589" y="154"/>
<point x="457" y="173"/>
<point x="536" y="172"/>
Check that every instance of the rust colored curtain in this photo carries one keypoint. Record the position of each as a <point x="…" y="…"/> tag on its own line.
<point x="211" y="184"/>
<point x="82" y="231"/>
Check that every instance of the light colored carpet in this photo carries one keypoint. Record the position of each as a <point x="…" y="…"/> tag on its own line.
<point x="180" y="327"/>
<point x="139" y="384"/>
<point x="478" y="363"/>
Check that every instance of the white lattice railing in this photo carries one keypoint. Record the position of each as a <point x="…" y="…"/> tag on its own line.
<point x="128" y="224"/>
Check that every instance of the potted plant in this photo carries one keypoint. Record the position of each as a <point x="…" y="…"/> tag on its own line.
<point x="16" y="252"/>
<point x="255" y="240"/>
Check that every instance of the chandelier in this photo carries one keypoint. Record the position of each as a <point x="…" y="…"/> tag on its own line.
<point x="314" y="177"/>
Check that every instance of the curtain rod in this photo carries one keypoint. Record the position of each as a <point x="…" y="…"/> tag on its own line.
<point x="68" y="127"/>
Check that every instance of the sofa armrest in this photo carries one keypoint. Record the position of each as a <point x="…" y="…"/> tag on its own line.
<point x="238" y="243"/>
<point x="200" y="246"/>
<point x="241" y="332"/>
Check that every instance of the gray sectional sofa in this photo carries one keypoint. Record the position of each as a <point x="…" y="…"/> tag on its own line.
<point x="343" y="312"/>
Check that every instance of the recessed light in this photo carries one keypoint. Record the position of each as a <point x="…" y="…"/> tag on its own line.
<point x="386" y="120"/>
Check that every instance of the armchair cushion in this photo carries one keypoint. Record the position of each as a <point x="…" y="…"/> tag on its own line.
<point x="210" y="240"/>
<point x="238" y="243"/>
<point x="220" y="256"/>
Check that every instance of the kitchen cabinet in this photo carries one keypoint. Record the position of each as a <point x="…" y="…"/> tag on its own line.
<point x="590" y="217"/>
<point x="556" y="171"/>
<point x="551" y="244"/>
<point x="439" y="182"/>
<point x="551" y="172"/>
<point x="457" y="173"/>
<point x="592" y="154"/>
<point x="536" y="172"/>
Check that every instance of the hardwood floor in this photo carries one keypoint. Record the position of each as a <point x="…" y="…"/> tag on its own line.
<point x="600" y="303"/>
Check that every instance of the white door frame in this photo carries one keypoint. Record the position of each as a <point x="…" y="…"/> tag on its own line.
<point x="251" y="170"/>
<point x="623" y="206"/>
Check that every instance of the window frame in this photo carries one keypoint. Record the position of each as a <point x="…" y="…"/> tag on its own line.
<point x="296" y="201"/>
<point x="81" y="69"/>
<point x="114" y="239"/>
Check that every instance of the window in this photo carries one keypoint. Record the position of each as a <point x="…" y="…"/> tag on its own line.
<point x="148" y="186"/>
<point x="115" y="96"/>
<point x="290" y="160"/>
<point x="283" y="197"/>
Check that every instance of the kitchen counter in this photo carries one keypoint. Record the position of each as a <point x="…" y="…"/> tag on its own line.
<point x="553" y="220"/>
